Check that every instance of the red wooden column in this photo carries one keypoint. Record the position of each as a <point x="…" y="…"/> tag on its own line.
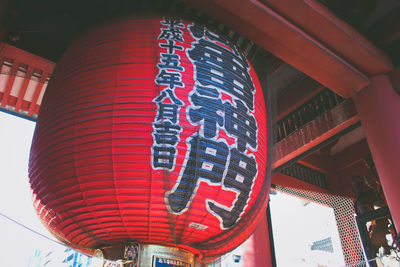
<point x="378" y="106"/>
<point x="257" y="249"/>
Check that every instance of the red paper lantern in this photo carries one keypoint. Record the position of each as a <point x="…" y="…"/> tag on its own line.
<point x="151" y="130"/>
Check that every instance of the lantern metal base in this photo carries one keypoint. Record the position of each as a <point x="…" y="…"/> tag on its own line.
<point x="143" y="255"/>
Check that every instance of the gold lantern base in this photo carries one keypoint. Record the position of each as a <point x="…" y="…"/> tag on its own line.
<point x="143" y="255"/>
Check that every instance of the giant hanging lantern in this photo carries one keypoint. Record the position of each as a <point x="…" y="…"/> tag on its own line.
<point x="152" y="130"/>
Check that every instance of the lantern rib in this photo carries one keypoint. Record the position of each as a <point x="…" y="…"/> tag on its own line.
<point x="116" y="80"/>
<point x="80" y="186"/>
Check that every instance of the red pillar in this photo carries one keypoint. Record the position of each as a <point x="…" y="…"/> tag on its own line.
<point x="378" y="106"/>
<point x="257" y="249"/>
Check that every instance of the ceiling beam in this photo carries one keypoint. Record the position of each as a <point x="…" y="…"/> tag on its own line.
<point x="316" y="162"/>
<point x="291" y="100"/>
<point x="326" y="127"/>
<point x="25" y="57"/>
<point x="306" y="35"/>
<point x="350" y="156"/>
<point x="25" y="82"/>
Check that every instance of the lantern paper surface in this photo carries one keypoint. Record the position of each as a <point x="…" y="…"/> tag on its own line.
<point x="151" y="130"/>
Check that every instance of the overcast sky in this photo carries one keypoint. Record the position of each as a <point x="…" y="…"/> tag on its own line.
<point x="18" y="244"/>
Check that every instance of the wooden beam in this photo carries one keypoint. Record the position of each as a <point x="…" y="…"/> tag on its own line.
<point x="306" y="35"/>
<point x="27" y="58"/>
<point x="293" y="98"/>
<point x="315" y="162"/>
<point x="315" y="133"/>
<point x="286" y="181"/>
<point x="318" y="21"/>
<point x="24" y="86"/>
<point x="10" y="83"/>
<point x="37" y="92"/>
<point x="33" y="64"/>
<point x="352" y="155"/>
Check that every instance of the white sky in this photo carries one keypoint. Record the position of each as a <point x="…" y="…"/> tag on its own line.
<point x="296" y="226"/>
<point x="18" y="244"/>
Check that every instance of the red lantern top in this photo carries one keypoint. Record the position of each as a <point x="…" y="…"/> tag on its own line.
<point x="151" y="130"/>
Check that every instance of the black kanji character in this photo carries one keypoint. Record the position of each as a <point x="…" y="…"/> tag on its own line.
<point x="207" y="159"/>
<point x="223" y="40"/>
<point x="163" y="157"/>
<point x="241" y="125"/>
<point x="166" y="139"/>
<point x="197" y="30"/>
<point x="172" y="22"/>
<point x="171" y="46"/>
<point x="207" y="91"/>
<point x="168" y="111"/>
<point x="242" y="170"/>
<point x="208" y="110"/>
<point x="170" y="61"/>
<point x="167" y="128"/>
<point x="221" y="68"/>
<point x="172" y="79"/>
<point x="171" y="96"/>
<point x="171" y="34"/>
